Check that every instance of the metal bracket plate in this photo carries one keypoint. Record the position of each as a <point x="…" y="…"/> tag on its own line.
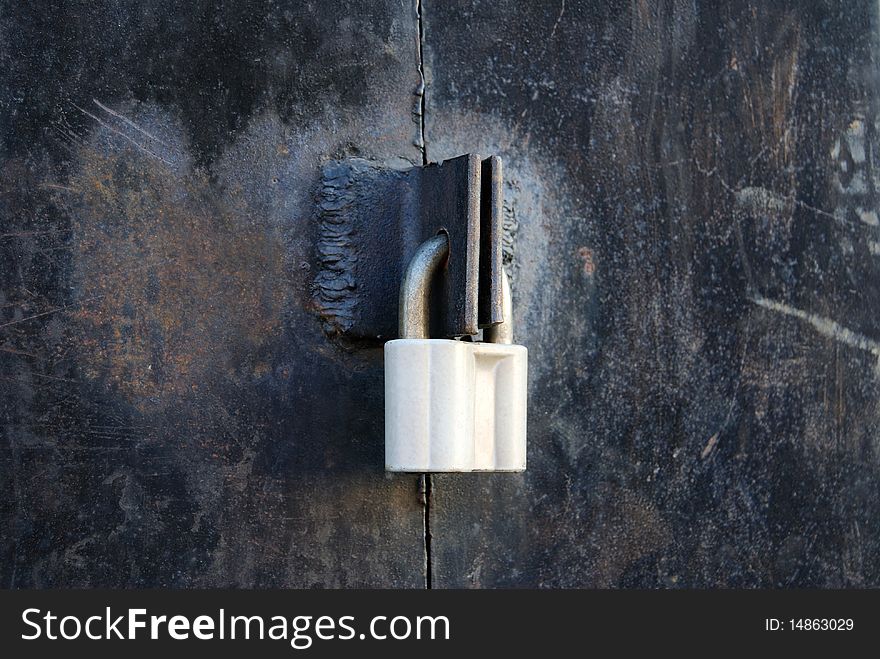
<point x="373" y="219"/>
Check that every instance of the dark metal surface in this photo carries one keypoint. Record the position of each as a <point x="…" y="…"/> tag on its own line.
<point x="690" y="200"/>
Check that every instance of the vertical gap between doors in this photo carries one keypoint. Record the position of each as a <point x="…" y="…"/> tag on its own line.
<point x="426" y="484"/>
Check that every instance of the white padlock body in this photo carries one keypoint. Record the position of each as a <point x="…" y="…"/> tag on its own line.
<point x="500" y="399"/>
<point x="455" y="406"/>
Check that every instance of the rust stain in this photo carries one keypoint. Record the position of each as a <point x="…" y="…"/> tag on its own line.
<point x="178" y="282"/>
<point x="770" y="82"/>
<point x="589" y="263"/>
<point x="710" y="446"/>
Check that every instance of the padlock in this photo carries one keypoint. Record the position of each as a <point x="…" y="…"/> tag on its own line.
<point x="452" y="405"/>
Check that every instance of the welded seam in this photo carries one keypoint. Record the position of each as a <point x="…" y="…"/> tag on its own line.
<point x="423" y="83"/>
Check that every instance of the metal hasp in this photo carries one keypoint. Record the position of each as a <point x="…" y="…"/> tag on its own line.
<point x="372" y="221"/>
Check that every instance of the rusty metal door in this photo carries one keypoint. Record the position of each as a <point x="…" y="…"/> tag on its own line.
<point x="691" y="230"/>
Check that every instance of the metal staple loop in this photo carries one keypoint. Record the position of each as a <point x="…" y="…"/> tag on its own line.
<point x="415" y="288"/>
<point x="415" y="293"/>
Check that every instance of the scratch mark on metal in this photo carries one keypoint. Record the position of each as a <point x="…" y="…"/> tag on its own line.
<point x="45" y="313"/>
<point x="757" y="198"/>
<point x="137" y="144"/>
<point x="824" y="326"/>
<point x="558" y="20"/>
<point x="129" y="122"/>
<point x="710" y="446"/>
<point x="27" y="234"/>
<point x="15" y="351"/>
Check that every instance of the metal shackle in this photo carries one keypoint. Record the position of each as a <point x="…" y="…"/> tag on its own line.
<point x="415" y="294"/>
<point x="503" y="331"/>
